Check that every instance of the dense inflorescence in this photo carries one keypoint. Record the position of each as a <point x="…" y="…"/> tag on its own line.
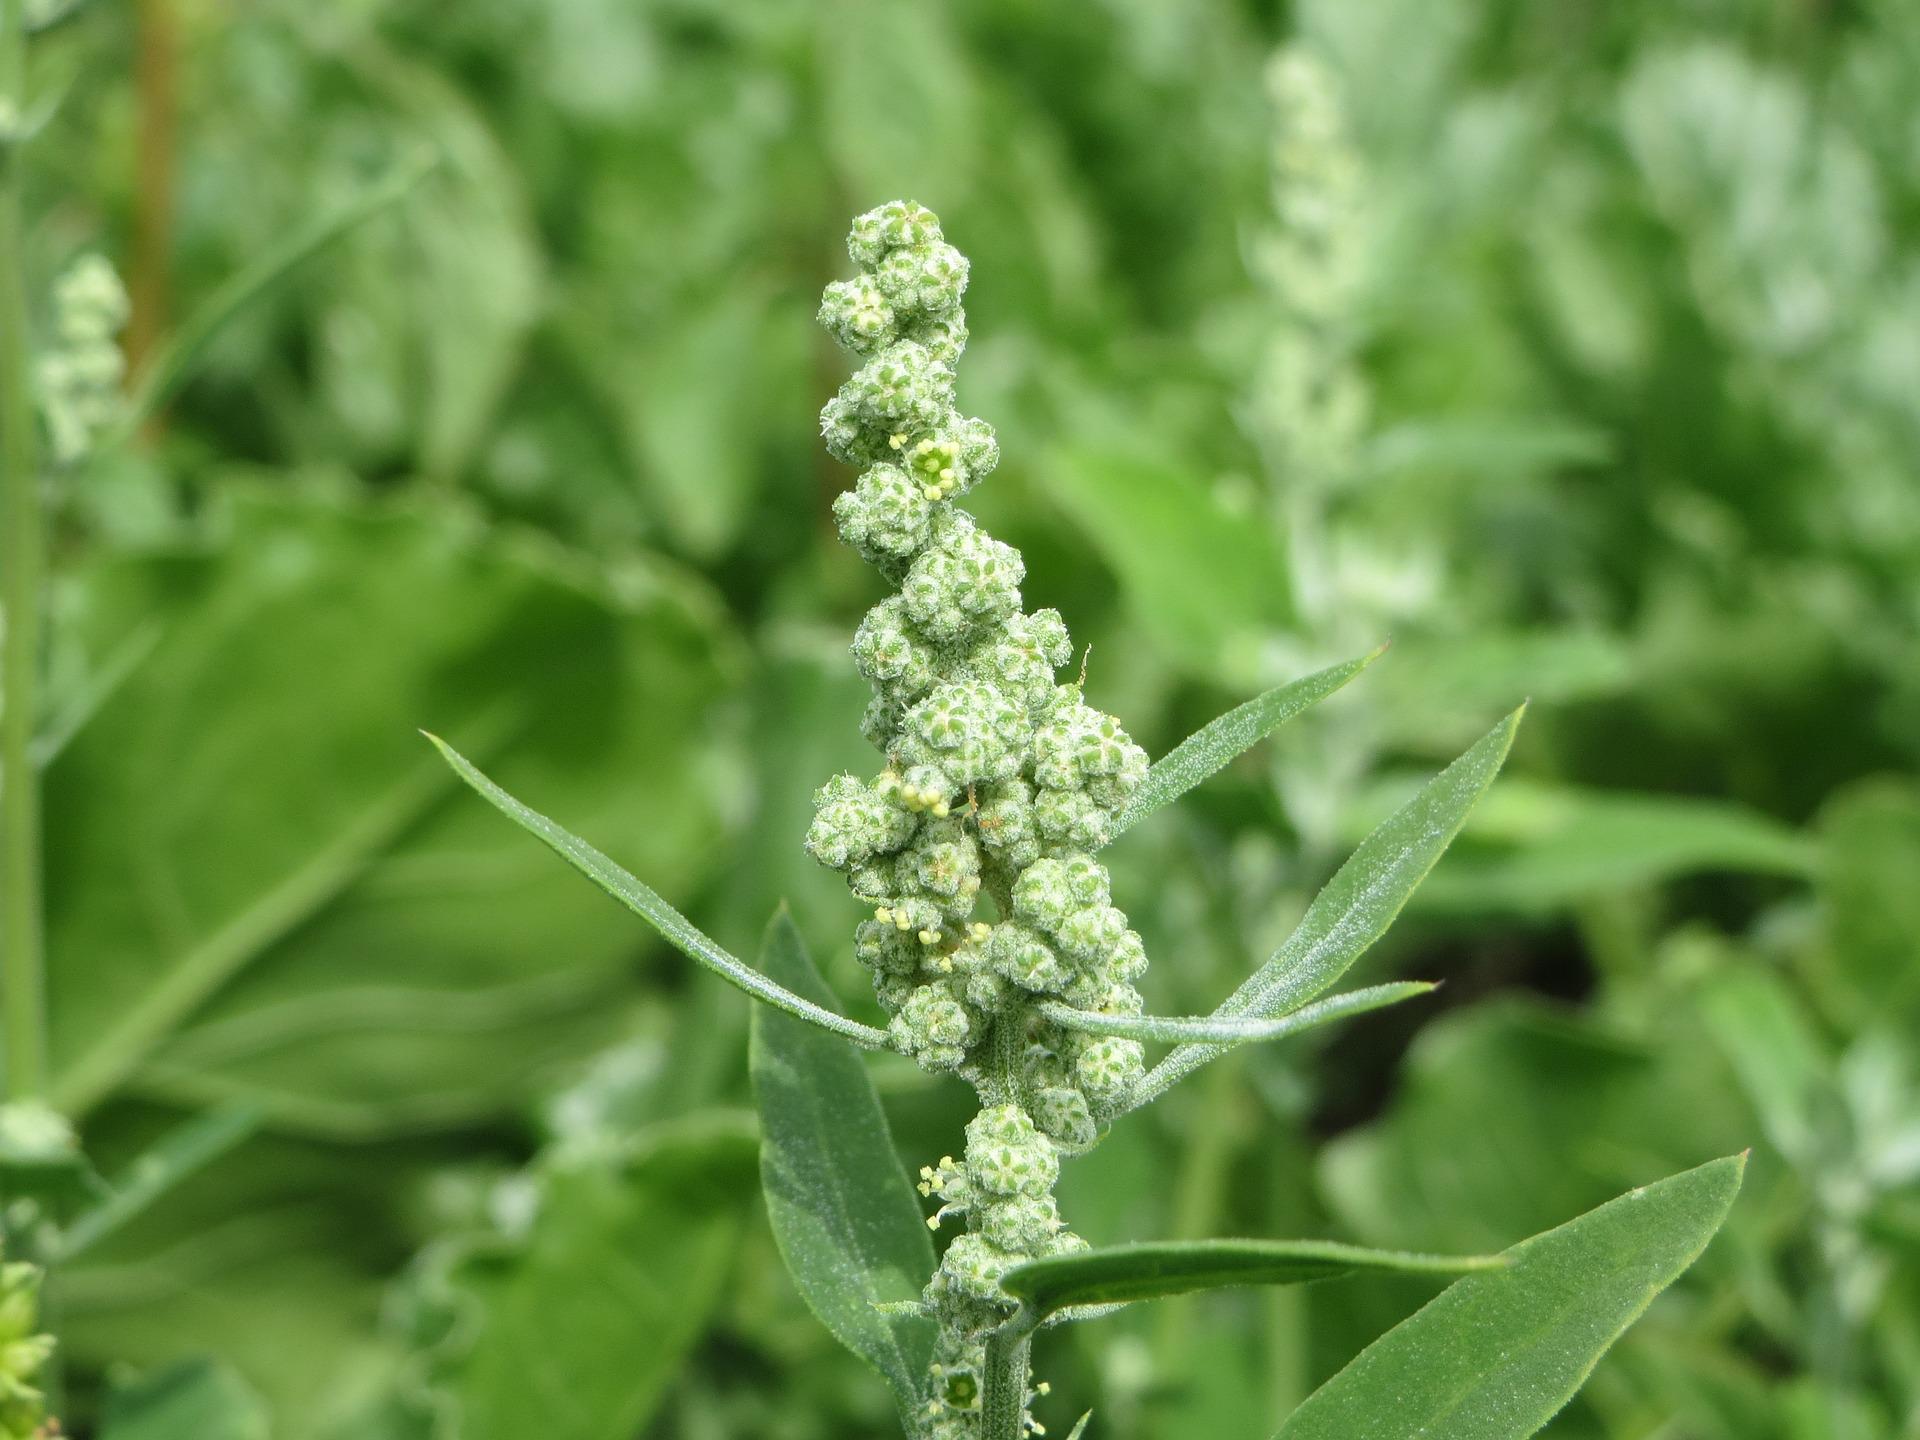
<point x="79" y="374"/>
<point x="998" y="786"/>
<point x="23" y="1351"/>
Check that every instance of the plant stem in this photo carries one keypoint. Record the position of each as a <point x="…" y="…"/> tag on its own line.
<point x="22" y="978"/>
<point x="1003" y="1406"/>
<point x="155" y="78"/>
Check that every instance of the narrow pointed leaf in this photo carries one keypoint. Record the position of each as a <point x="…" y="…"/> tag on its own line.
<point x="843" y="1211"/>
<point x="1359" y="903"/>
<point x="1233" y="1029"/>
<point x="1121" y="1273"/>
<point x="1081" y="1428"/>
<point x="1494" y="1357"/>
<point x="679" y="931"/>
<point x="1211" y="748"/>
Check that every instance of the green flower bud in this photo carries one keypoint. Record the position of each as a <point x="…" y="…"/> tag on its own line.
<point x="897" y="224"/>
<point x="1022" y="955"/>
<point x="964" y="581"/>
<point x="969" y="729"/>
<point x="1023" y="1224"/>
<point x="929" y="279"/>
<point x="1007" y="1155"/>
<point x="1107" y="1069"/>
<point x="886" y="517"/>
<point x="972" y="1268"/>
<point x="1043" y="897"/>
<point x="933" y="1027"/>
<point x="1005" y="823"/>
<point x="1062" y="1112"/>
<point x="857" y="313"/>
<point x="853" y="822"/>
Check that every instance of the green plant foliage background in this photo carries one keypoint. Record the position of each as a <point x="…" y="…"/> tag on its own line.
<point x="1602" y="392"/>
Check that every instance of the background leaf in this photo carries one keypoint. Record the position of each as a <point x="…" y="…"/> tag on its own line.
<point x="194" y="1400"/>
<point x="578" y="1326"/>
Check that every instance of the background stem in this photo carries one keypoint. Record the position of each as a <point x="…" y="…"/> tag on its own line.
<point x="22" y="981"/>
<point x="155" y="71"/>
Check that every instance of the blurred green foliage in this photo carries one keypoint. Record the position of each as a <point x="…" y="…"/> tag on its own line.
<point x="1573" y="346"/>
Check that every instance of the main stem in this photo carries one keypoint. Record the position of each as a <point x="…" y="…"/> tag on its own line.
<point x="22" y="539"/>
<point x="1009" y="1369"/>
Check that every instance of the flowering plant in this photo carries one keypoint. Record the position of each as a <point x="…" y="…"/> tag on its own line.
<point x="998" y="955"/>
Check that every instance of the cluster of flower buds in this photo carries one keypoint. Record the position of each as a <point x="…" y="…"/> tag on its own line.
<point x="80" y="372"/>
<point x="997" y="779"/>
<point x="999" y="783"/>
<point x="23" y="1351"/>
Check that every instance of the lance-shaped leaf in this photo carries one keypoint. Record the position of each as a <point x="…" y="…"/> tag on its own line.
<point x="1080" y="1429"/>
<point x="678" y="931"/>
<point x="1235" y="1029"/>
<point x="842" y="1209"/>
<point x="1494" y="1357"/>
<point x="1359" y="903"/>
<point x="1216" y="745"/>
<point x="1118" y="1274"/>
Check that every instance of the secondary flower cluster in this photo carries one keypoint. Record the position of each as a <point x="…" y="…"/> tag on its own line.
<point x="997" y="782"/>
<point x="79" y="375"/>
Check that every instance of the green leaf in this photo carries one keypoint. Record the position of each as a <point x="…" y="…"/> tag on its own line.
<point x="1495" y="1356"/>
<point x="161" y="378"/>
<point x="178" y="1154"/>
<point x="1080" y="1427"/>
<point x="679" y="931"/>
<point x="1359" y="903"/>
<point x="1119" y="1274"/>
<point x="1235" y="1030"/>
<point x="576" y="1330"/>
<point x="262" y="887"/>
<point x="1558" y="844"/>
<point x="193" y="1400"/>
<point x="1203" y="581"/>
<point x="1212" y="748"/>
<point x="842" y="1209"/>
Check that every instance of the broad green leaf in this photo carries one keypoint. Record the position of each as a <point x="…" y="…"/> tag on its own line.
<point x="1232" y="1029"/>
<point x="1495" y="1356"/>
<point x="193" y="1400"/>
<point x="178" y="1154"/>
<point x="263" y="887"/>
<point x="679" y="931"/>
<point x="918" y="135"/>
<point x="464" y="269"/>
<point x="1513" y="1113"/>
<point x="842" y="1209"/>
<point x="172" y="364"/>
<point x="1212" y="748"/>
<point x="577" y="1329"/>
<point x="1203" y="582"/>
<point x="1870" y="838"/>
<point x="1359" y="903"/>
<point x="1119" y="1274"/>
